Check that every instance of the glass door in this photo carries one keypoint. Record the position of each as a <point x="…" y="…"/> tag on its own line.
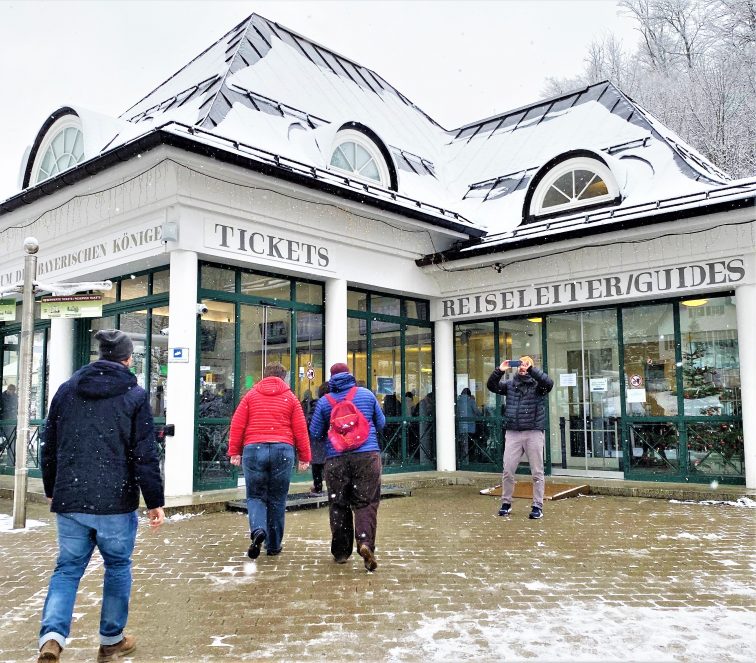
<point x="265" y="338"/>
<point x="584" y="405"/>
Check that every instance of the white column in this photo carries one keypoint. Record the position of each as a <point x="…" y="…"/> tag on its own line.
<point x="446" y="452"/>
<point x="62" y="360"/>
<point x="181" y="381"/>
<point x="745" y="302"/>
<point x="335" y="322"/>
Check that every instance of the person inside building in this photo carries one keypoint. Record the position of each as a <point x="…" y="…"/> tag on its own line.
<point x="467" y="409"/>
<point x="97" y="454"/>
<point x="265" y="430"/>
<point x="8" y="410"/>
<point x="354" y="475"/>
<point x="524" y="424"/>
<point x="318" y="448"/>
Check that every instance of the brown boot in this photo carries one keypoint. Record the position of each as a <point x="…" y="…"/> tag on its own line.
<point x="49" y="652"/>
<point x="368" y="556"/>
<point x="117" y="651"/>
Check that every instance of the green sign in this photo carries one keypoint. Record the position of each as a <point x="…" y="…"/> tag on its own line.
<point x="71" y="306"/>
<point x="7" y="310"/>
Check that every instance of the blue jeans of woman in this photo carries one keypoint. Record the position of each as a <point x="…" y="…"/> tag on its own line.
<point x="78" y="534"/>
<point x="267" y="473"/>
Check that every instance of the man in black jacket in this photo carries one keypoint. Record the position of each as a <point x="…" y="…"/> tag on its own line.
<point x="524" y="423"/>
<point x="98" y="452"/>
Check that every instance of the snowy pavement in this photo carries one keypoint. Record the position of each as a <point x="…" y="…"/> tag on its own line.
<point x="598" y="579"/>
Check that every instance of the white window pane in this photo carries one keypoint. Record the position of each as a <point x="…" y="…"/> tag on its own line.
<point x="348" y="150"/>
<point x="554" y="197"/>
<point x="564" y="185"/>
<point x="361" y="157"/>
<point x="370" y="170"/>
<point x="58" y="144"/>
<point x="78" y="149"/>
<point x="339" y="160"/>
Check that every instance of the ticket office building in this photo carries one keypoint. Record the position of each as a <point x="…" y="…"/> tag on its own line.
<point x="643" y="390"/>
<point x="275" y="201"/>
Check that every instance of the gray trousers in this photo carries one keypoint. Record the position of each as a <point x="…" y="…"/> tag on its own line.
<point x="517" y="443"/>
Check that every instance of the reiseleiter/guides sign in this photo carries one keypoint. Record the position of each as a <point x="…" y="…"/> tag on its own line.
<point x="614" y="287"/>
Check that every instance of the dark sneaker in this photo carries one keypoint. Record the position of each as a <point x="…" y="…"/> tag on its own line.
<point x="49" y="652"/>
<point x="341" y="559"/>
<point x="273" y="553"/>
<point x="535" y="513"/>
<point x="258" y="538"/>
<point x="505" y="509"/>
<point x="370" y="563"/>
<point x="117" y="651"/>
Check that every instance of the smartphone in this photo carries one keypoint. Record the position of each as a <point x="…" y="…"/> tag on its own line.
<point x="514" y="363"/>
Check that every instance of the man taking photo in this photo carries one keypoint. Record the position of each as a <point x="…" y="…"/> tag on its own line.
<point x="524" y="424"/>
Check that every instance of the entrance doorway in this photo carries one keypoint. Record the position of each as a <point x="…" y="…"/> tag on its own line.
<point x="584" y="406"/>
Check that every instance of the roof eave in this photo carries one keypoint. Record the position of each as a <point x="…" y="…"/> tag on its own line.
<point x="582" y="231"/>
<point x="159" y="137"/>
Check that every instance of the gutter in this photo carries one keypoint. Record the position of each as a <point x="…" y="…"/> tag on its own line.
<point x="276" y="169"/>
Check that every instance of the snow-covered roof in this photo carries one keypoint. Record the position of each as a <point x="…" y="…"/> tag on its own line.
<point x="268" y="88"/>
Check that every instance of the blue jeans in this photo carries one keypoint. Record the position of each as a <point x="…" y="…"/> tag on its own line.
<point x="267" y="473"/>
<point x="78" y="534"/>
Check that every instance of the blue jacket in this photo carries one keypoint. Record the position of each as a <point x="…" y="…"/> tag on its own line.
<point x="366" y="403"/>
<point x="525" y="408"/>
<point x="98" y="447"/>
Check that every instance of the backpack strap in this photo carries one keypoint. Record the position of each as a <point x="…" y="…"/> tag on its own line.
<point x="331" y="400"/>
<point x="350" y="394"/>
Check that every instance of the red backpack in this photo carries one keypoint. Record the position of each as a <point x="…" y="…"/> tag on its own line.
<point x="349" y="429"/>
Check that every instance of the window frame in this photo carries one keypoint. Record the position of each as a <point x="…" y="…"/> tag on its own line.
<point x="600" y="169"/>
<point x="345" y="136"/>
<point x="67" y="121"/>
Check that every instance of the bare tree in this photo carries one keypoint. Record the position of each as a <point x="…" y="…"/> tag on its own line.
<point x="694" y="68"/>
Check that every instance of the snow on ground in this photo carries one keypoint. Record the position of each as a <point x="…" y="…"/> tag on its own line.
<point x="746" y="502"/>
<point x="583" y="633"/>
<point x="6" y="524"/>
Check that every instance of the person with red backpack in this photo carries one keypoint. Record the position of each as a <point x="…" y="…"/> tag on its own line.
<point x="351" y="418"/>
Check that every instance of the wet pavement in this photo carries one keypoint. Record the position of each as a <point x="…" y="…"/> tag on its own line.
<point x="599" y="578"/>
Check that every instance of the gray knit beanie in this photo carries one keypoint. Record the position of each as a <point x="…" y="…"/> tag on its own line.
<point x="114" y="345"/>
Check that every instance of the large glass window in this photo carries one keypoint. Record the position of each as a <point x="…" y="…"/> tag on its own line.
<point x="650" y="363"/>
<point x="651" y="390"/>
<point x="252" y="319"/>
<point x="392" y="355"/>
<point x="710" y="359"/>
<point x="478" y="433"/>
<point x="9" y="394"/>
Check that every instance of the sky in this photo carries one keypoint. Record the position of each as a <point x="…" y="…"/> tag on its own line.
<point x="458" y="61"/>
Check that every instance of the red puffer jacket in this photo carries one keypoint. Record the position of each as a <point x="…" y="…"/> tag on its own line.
<point x="269" y="412"/>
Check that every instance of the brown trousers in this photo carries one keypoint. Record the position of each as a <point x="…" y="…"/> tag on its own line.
<point x="354" y="493"/>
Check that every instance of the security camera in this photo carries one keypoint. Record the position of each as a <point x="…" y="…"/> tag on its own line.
<point x="164" y="331"/>
<point x="201" y="309"/>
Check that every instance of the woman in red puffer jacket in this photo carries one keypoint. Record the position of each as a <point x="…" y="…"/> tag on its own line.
<point x="268" y="423"/>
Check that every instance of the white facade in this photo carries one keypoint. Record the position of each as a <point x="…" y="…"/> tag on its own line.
<point x="456" y="227"/>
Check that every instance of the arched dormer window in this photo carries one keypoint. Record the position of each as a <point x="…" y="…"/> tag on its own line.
<point x="61" y="148"/>
<point x="575" y="183"/>
<point x="359" y="157"/>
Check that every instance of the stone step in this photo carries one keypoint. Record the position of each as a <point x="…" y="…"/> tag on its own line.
<point x="296" y="501"/>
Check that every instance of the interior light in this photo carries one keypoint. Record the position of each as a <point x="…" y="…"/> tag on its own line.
<point x="695" y="302"/>
<point x="535" y="319"/>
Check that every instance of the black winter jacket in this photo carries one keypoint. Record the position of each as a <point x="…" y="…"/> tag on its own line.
<point x="99" y="448"/>
<point x="525" y="408"/>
